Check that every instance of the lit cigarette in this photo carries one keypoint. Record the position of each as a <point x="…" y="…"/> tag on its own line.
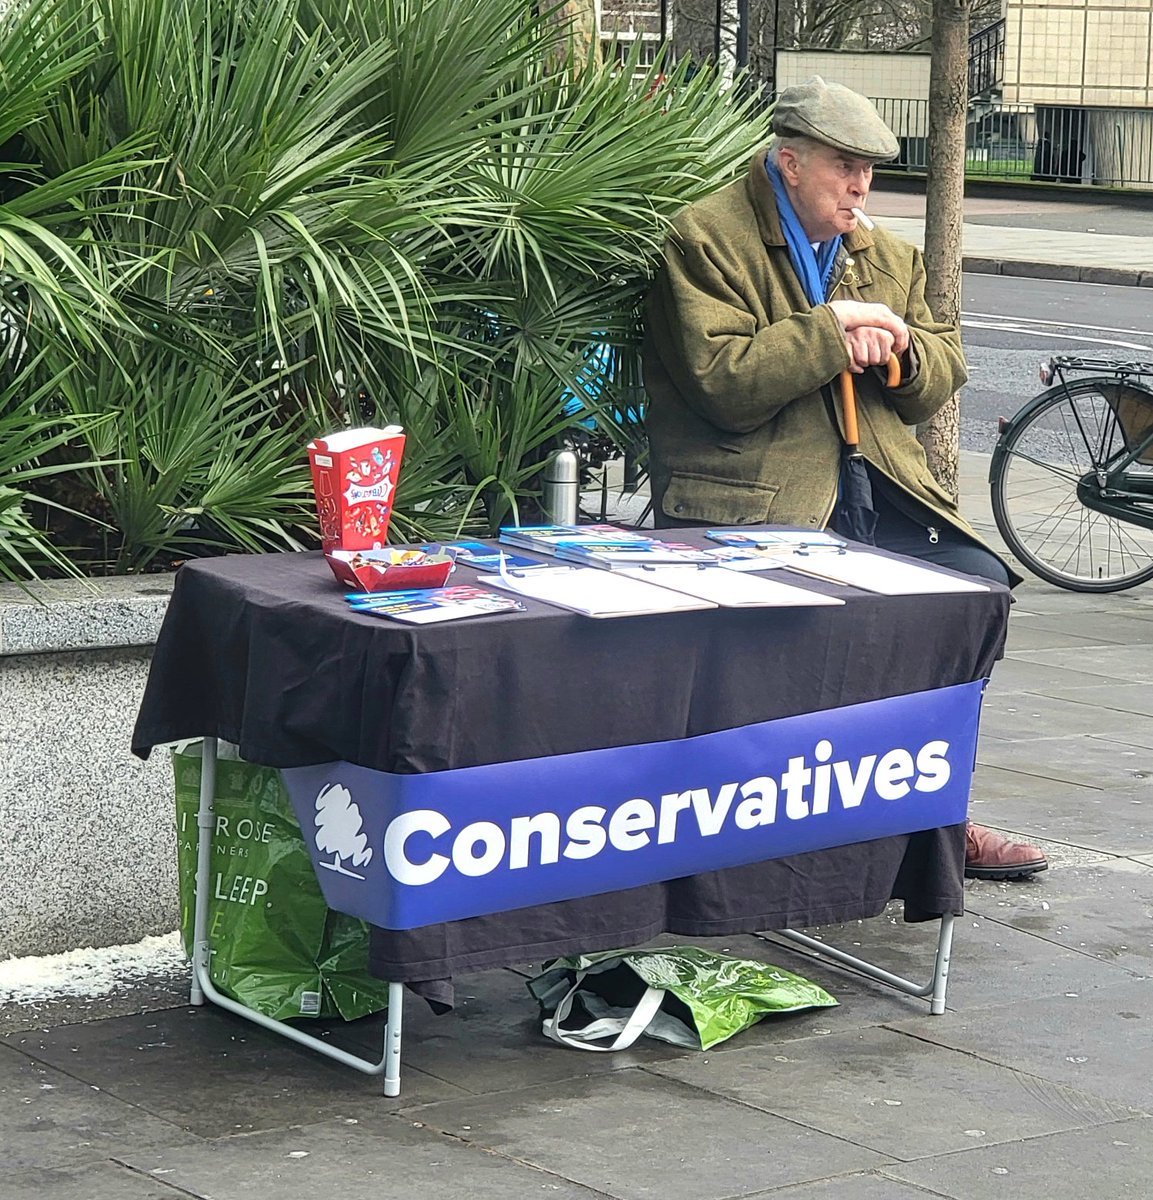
<point x="865" y="220"/>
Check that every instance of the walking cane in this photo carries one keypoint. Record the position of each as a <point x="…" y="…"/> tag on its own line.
<point x="855" y="515"/>
<point x="849" y="403"/>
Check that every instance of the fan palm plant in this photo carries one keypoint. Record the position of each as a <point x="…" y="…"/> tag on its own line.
<point x="239" y="223"/>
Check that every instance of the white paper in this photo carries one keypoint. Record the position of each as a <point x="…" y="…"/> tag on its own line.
<point x="729" y="588"/>
<point x="749" y="558"/>
<point x="432" y="616"/>
<point x="744" y="536"/>
<point x="876" y="573"/>
<point x="594" y="592"/>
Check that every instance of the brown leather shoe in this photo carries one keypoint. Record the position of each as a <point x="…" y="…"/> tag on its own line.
<point x="991" y="855"/>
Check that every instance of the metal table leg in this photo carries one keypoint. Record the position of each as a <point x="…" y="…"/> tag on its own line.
<point x="933" y="991"/>
<point x="203" y="989"/>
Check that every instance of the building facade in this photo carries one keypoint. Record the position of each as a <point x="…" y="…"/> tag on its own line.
<point x="1083" y="70"/>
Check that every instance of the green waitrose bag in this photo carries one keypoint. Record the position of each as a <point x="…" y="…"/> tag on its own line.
<point x="685" y="995"/>
<point x="276" y="946"/>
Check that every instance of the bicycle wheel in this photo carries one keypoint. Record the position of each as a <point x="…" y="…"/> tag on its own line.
<point x="1070" y="432"/>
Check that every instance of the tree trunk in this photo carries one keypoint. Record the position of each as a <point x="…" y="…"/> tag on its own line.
<point x="579" y="21"/>
<point x="728" y="20"/>
<point x="944" y="209"/>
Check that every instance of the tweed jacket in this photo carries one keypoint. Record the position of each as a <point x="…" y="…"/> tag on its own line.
<point x="740" y="369"/>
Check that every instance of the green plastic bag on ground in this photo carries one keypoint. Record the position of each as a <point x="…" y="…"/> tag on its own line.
<point x="685" y="995"/>
<point x="277" y="947"/>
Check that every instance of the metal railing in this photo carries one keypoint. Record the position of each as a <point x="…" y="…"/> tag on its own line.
<point x="987" y="58"/>
<point x="1106" y="147"/>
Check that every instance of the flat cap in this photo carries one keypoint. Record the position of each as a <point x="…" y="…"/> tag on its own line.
<point x="835" y="115"/>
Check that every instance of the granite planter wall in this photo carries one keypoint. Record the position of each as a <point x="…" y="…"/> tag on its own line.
<point x="89" y="855"/>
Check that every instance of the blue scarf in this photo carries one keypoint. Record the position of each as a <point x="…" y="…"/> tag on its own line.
<point x="813" y="267"/>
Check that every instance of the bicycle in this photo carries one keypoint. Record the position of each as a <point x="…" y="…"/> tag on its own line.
<point x="1072" y="475"/>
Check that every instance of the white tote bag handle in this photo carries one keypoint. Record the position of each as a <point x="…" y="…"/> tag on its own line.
<point x="626" y="1032"/>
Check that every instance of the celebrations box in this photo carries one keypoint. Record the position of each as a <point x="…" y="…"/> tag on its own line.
<point x="390" y="570"/>
<point x="354" y="474"/>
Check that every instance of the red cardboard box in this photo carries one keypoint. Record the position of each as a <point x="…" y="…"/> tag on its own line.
<point x="389" y="570"/>
<point x="354" y="475"/>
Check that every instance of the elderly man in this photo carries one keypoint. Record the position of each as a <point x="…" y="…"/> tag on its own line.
<point x="769" y="290"/>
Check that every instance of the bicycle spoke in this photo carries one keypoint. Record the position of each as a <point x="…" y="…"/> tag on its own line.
<point x="1073" y="439"/>
<point x="1052" y="468"/>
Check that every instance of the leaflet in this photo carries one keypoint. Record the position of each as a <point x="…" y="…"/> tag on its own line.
<point x="749" y="558"/>
<point x="484" y="557"/>
<point x="772" y="537"/>
<point x="547" y="538"/>
<point x="594" y="592"/>
<point x="628" y="554"/>
<point x="425" y="606"/>
<point x="730" y="589"/>
<point x="873" y="572"/>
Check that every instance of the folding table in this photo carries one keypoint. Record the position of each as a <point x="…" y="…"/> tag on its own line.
<point x="261" y="651"/>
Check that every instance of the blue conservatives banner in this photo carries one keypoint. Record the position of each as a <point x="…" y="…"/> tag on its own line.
<point x="403" y="851"/>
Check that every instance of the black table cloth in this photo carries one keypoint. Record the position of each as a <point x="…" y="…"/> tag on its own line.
<point x="263" y="651"/>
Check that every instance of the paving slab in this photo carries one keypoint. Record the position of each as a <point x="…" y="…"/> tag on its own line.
<point x="50" y="1119"/>
<point x="894" y="1094"/>
<point x="1133" y="731"/>
<point x="1119" y="700"/>
<point x="1078" y="823"/>
<point x="991" y="963"/>
<point x="387" y="1159"/>
<point x="1019" y="672"/>
<point x="869" y="1185"/>
<point x="1104" y="910"/>
<point x="212" y="1073"/>
<point x="1116" y="662"/>
<point x="1042" y="599"/>
<point x="1121" y="627"/>
<point x="164" y="989"/>
<point x="100" y="1181"/>
<point x="635" y="1136"/>
<point x="1019" y="715"/>
<point x="1029" y="632"/>
<point x="492" y="1041"/>
<point x="1110" y="1161"/>
<point x="1103" y="1048"/>
<point x="1091" y="761"/>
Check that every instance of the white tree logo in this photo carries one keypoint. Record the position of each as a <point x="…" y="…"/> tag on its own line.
<point x="339" y="830"/>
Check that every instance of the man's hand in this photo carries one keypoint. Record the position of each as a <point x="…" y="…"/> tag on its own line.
<point x="869" y="347"/>
<point x="856" y="315"/>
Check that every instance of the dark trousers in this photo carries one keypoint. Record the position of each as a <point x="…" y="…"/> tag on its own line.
<point x="910" y="530"/>
<point x="923" y="535"/>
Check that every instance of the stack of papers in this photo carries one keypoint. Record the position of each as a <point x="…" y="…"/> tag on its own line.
<point x="878" y="573"/>
<point x="548" y="538"/>
<point x="594" y="592"/>
<point x="625" y="555"/>
<point x="771" y="538"/>
<point x="488" y="558"/>
<point x="425" y="606"/>
<point x="728" y="588"/>
<point x="600" y="545"/>
<point x="750" y="558"/>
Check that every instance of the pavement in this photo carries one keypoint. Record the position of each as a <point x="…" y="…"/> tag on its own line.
<point x="1035" y="1084"/>
<point x="1041" y="233"/>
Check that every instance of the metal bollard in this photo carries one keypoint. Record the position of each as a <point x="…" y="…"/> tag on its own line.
<point x="561" y="489"/>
